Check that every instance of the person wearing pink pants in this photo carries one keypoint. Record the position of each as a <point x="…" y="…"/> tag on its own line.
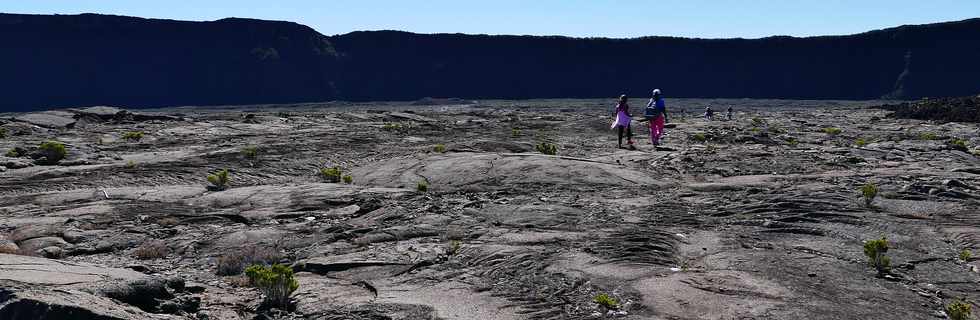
<point x="656" y="113"/>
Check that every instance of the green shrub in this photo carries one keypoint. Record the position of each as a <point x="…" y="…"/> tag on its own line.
<point x="959" y="310"/>
<point x="756" y="121"/>
<point x="52" y="152"/>
<point x="3" y="133"/>
<point x="276" y="282"/>
<point x="547" y="148"/>
<point x="392" y="127"/>
<point x="875" y="250"/>
<point x="792" y="142"/>
<point x="454" y="246"/>
<point x="131" y="164"/>
<point x="16" y="153"/>
<point x="422" y="186"/>
<point x="860" y="142"/>
<point x="439" y="148"/>
<point x="331" y="175"/>
<point x="606" y="301"/>
<point x="348" y="179"/>
<point x="133" y="136"/>
<point x="928" y="136"/>
<point x="219" y="180"/>
<point x="958" y="144"/>
<point x="699" y="137"/>
<point x="250" y="152"/>
<point x="832" y="131"/>
<point x="966" y="255"/>
<point x="869" y="191"/>
<point x="515" y="132"/>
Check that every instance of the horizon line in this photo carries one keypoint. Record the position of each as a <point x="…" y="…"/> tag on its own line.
<point x="501" y="34"/>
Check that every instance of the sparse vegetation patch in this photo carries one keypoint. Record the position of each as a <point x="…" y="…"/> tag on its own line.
<point x="832" y="131"/>
<point x="331" y="175"/>
<point x="134" y="136"/>
<point x="875" y="251"/>
<point x="51" y="152"/>
<point x="154" y="249"/>
<point x="959" y="309"/>
<point x="219" y="181"/>
<point x="606" y="301"/>
<point x="234" y="262"/>
<point x="250" y="152"/>
<point x="276" y="282"/>
<point x="547" y="148"/>
<point x="869" y="191"/>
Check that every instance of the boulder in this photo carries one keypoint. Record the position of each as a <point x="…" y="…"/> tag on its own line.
<point x="34" y="231"/>
<point x="48" y="119"/>
<point x="39" y="288"/>
<point x="35" y="244"/>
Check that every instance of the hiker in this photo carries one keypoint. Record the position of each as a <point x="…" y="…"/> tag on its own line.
<point x="622" y="122"/>
<point x="731" y="113"/>
<point x="656" y="113"/>
<point x="708" y="113"/>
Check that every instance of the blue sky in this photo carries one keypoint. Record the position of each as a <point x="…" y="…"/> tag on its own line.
<point x="580" y="18"/>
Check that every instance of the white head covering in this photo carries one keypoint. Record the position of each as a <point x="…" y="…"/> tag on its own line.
<point x="656" y="92"/>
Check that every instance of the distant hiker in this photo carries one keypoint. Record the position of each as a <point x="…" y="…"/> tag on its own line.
<point x="622" y="122"/>
<point x="656" y="113"/>
<point x="708" y="113"/>
<point x="731" y="113"/>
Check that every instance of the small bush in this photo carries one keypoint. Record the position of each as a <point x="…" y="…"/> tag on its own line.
<point x="348" y="179"/>
<point x="832" y="131"/>
<point x="276" y="282"/>
<point x="869" y="191"/>
<point x="131" y="164"/>
<point x="151" y="250"/>
<point x="699" y="137"/>
<point x="219" y="180"/>
<point x="133" y="136"/>
<point x="875" y="250"/>
<point x="547" y="148"/>
<point x="515" y="133"/>
<point x="959" y="310"/>
<point x="331" y="175"/>
<point x="758" y="122"/>
<point x="3" y="133"/>
<point x="439" y="148"/>
<point x="958" y="144"/>
<point x="234" y="262"/>
<point x="51" y="152"/>
<point x="392" y="127"/>
<point x="250" y="152"/>
<point x="928" y="136"/>
<point x="15" y="153"/>
<point x="966" y="255"/>
<point x="792" y="142"/>
<point x="606" y="301"/>
<point x="860" y="142"/>
<point x="454" y="246"/>
<point x="168" y="222"/>
<point x="422" y="186"/>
